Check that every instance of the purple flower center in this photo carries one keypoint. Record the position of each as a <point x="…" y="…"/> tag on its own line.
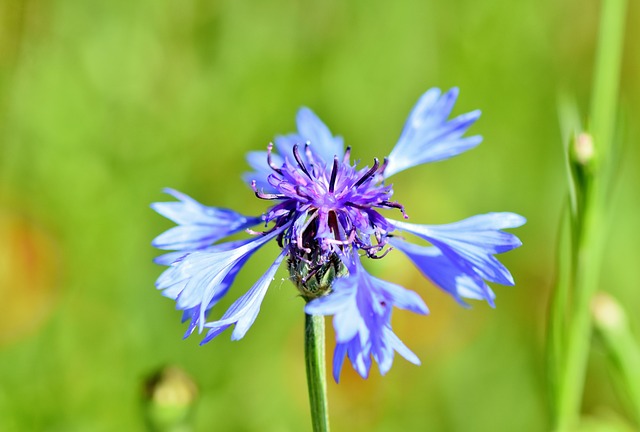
<point x="331" y="209"/>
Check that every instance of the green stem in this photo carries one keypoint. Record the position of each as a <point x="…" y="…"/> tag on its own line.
<point x="569" y="117"/>
<point x="587" y="275"/>
<point x="316" y="371"/>
<point x="606" y="81"/>
<point x="557" y="312"/>
<point x="590" y="220"/>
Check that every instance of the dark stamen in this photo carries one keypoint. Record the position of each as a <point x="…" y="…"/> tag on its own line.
<point x="369" y="173"/>
<point x="270" y="162"/>
<point x="384" y="254"/>
<point x="309" y="153"/>
<point x="394" y="204"/>
<point x="333" y="225"/>
<point x="296" y="154"/>
<point x="347" y="155"/>
<point x="334" y="174"/>
<point x="385" y="162"/>
<point x="265" y="196"/>
<point x="374" y="251"/>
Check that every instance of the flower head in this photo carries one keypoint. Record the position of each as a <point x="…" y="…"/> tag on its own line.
<point x="325" y="217"/>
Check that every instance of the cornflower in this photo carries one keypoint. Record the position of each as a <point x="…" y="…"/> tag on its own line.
<point x="325" y="219"/>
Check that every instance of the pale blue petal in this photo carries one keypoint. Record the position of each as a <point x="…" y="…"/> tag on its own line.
<point x="333" y="303"/>
<point x="400" y="347"/>
<point x="342" y="305"/>
<point x="360" y="357"/>
<point x="175" y="276"/>
<point x="444" y="273"/>
<point x="401" y="298"/>
<point x="428" y="136"/>
<point x="383" y="355"/>
<point x="226" y="283"/>
<point x="189" y="211"/>
<point x="189" y="237"/>
<point x="469" y="245"/>
<point x="323" y="143"/>
<point x="348" y="323"/>
<point x="169" y="258"/>
<point x="262" y="183"/>
<point x="285" y="143"/>
<point x="361" y="307"/>
<point x="201" y="275"/>
<point x="258" y="161"/>
<point x="199" y="226"/>
<point x="244" y="311"/>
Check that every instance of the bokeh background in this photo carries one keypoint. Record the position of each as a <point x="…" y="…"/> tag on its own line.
<point x="104" y="103"/>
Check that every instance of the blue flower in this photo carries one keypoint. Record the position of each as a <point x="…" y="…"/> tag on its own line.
<point x="361" y="306"/>
<point x="325" y="218"/>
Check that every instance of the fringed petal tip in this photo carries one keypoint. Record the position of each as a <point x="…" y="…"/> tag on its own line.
<point x="429" y="136"/>
<point x="198" y="280"/>
<point x="361" y="306"/>
<point x="199" y="226"/>
<point x="461" y="258"/>
<point x="243" y="312"/>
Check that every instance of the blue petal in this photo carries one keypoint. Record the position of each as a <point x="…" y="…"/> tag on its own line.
<point x="338" y="360"/>
<point x="200" y="276"/>
<point x="468" y="247"/>
<point x="194" y="315"/>
<point x="400" y="347"/>
<point x="285" y="143"/>
<point x="402" y="298"/>
<point x="199" y="226"/>
<point x="169" y="258"/>
<point x="341" y="303"/>
<point x="428" y="136"/>
<point x="444" y="273"/>
<point x="360" y="356"/>
<point x="244" y="311"/>
<point x="361" y="307"/>
<point x="189" y="211"/>
<point x="258" y="161"/>
<point x="323" y="143"/>
<point x="310" y="130"/>
<point x="190" y="237"/>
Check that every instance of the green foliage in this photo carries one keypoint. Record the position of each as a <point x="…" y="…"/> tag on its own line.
<point x="102" y="104"/>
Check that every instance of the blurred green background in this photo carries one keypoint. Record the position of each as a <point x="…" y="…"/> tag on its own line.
<point x="104" y="103"/>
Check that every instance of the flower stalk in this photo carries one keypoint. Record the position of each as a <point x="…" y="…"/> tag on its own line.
<point x="590" y="173"/>
<point x="586" y="258"/>
<point x="316" y="371"/>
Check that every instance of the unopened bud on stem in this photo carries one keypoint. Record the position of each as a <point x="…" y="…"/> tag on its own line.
<point x="607" y="313"/>
<point x="583" y="150"/>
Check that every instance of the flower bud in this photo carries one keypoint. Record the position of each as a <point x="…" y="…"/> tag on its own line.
<point x="607" y="313"/>
<point x="314" y="279"/>
<point x="169" y="396"/>
<point x="583" y="150"/>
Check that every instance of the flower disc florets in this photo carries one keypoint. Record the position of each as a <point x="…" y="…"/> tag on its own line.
<point x="329" y="209"/>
